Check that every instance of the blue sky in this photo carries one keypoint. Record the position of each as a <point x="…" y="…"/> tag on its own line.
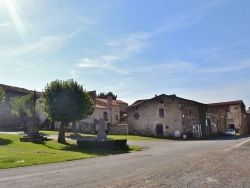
<point x="196" y="49"/>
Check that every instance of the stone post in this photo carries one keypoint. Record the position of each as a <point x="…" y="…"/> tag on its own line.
<point x="101" y="136"/>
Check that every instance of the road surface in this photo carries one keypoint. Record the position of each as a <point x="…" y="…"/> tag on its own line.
<point x="164" y="163"/>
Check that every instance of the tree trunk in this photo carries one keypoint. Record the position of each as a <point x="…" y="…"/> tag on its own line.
<point x="61" y="135"/>
<point x="74" y="127"/>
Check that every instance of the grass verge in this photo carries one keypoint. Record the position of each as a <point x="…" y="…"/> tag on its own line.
<point x="14" y="153"/>
<point x="128" y="137"/>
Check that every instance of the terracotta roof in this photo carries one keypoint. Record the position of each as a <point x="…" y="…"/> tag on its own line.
<point x="106" y="101"/>
<point x="138" y="102"/>
<point x="120" y="102"/>
<point x="100" y="106"/>
<point x="17" y="89"/>
<point x="226" y="103"/>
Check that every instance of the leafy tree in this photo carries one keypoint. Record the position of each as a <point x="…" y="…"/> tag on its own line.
<point x="105" y="95"/>
<point x="66" y="101"/>
<point x="23" y="107"/>
<point x="2" y="96"/>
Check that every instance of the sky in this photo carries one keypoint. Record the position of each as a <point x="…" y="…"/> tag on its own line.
<point x="196" y="49"/>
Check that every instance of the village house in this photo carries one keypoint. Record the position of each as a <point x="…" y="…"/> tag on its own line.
<point x="7" y="119"/>
<point x="169" y="115"/>
<point x="163" y="115"/>
<point x="235" y="113"/>
<point x="114" y="112"/>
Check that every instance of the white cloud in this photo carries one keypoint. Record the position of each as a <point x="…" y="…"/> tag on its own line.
<point x="43" y="46"/>
<point x="89" y="63"/>
<point x="5" y="24"/>
<point x="236" y="66"/>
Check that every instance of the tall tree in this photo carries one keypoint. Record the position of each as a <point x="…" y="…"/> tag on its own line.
<point x="23" y="107"/>
<point x="105" y="95"/>
<point x="2" y="95"/>
<point x="66" y="101"/>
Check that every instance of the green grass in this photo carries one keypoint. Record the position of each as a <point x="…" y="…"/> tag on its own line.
<point x="14" y="153"/>
<point x="133" y="137"/>
<point x="129" y="137"/>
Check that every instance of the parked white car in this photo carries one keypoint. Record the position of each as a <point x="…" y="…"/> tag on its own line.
<point x="230" y="132"/>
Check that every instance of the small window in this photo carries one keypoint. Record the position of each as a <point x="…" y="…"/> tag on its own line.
<point x="189" y="113"/>
<point x="161" y="112"/>
<point x="161" y="102"/>
<point x="136" y="115"/>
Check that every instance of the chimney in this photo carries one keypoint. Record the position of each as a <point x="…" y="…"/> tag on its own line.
<point x="109" y="99"/>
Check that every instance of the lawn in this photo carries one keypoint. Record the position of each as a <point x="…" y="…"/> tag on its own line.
<point x="14" y="153"/>
<point x="129" y="137"/>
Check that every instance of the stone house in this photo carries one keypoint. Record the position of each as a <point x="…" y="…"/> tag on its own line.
<point x="113" y="110"/>
<point x="248" y="119"/>
<point x="8" y="120"/>
<point x="235" y="115"/>
<point x="168" y="115"/>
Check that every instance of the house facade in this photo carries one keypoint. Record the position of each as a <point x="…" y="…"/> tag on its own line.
<point x="8" y="120"/>
<point x="168" y="115"/>
<point x="109" y="109"/>
<point x="235" y="115"/>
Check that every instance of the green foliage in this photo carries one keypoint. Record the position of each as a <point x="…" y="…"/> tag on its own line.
<point x="105" y="95"/>
<point x="2" y="95"/>
<point x="202" y="117"/>
<point x="66" y="101"/>
<point x="225" y="121"/>
<point x="23" y="106"/>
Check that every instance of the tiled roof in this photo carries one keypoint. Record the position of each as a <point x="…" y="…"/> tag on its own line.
<point x="120" y="102"/>
<point x="138" y="102"/>
<point x="226" y="103"/>
<point x="106" y="101"/>
<point x="100" y="106"/>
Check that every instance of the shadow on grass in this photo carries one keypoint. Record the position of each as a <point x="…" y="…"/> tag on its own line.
<point x="100" y="152"/>
<point x="5" y="141"/>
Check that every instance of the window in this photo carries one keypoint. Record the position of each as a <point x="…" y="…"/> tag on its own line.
<point x="161" y="112"/>
<point x="136" y="115"/>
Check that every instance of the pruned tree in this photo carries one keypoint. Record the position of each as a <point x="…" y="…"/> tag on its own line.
<point x="105" y="95"/>
<point x="23" y="106"/>
<point x="66" y="101"/>
<point x="2" y="95"/>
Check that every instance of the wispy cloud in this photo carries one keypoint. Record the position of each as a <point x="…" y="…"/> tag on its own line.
<point x="89" y="63"/>
<point x="43" y="46"/>
<point x="127" y="46"/>
<point x="108" y="6"/>
<point x="5" y="24"/>
<point x="118" y="50"/>
<point x="236" y="66"/>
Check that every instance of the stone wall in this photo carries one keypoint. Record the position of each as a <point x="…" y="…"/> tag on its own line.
<point x="164" y="115"/>
<point x="178" y="115"/>
<point x="118" y="129"/>
<point x="6" y="118"/>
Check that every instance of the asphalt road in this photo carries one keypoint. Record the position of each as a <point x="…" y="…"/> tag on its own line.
<point x="124" y="170"/>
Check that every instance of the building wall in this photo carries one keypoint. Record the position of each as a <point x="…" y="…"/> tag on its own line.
<point x="213" y="122"/>
<point x="6" y="118"/>
<point x="235" y="117"/>
<point x="179" y="115"/>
